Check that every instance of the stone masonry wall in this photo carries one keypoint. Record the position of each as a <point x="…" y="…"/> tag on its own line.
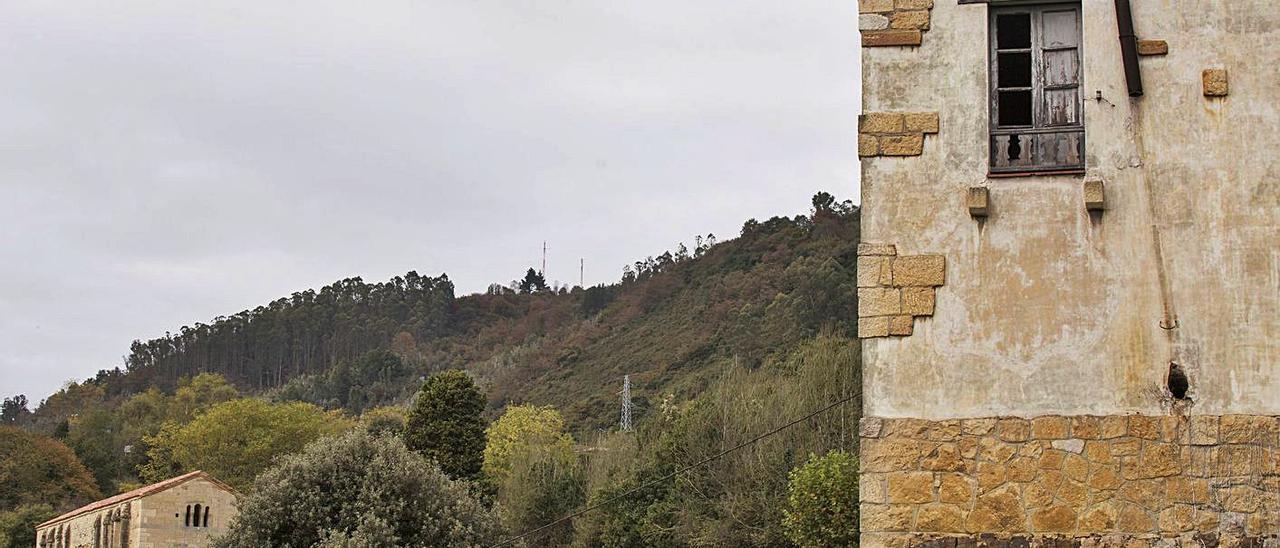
<point x="1081" y="480"/>
<point x="893" y="290"/>
<point x="895" y="133"/>
<point x="893" y="22"/>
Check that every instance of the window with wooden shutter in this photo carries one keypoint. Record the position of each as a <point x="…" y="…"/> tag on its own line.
<point x="1037" y="122"/>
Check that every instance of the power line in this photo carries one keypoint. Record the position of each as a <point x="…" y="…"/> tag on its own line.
<point x="651" y="483"/>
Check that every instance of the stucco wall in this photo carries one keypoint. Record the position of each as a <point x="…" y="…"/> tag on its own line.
<point x="1047" y="309"/>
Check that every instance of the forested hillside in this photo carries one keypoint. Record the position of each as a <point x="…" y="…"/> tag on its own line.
<point x="722" y="343"/>
<point x="670" y="317"/>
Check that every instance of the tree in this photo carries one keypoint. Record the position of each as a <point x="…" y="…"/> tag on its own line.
<point x="199" y="393"/>
<point x="36" y="468"/>
<point x="17" y="526"/>
<point x="384" y="420"/>
<point x="14" y="410"/>
<point x="359" y="490"/>
<point x="530" y="459"/>
<point x="523" y="432"/>
<point x="533" y="282"/>
<point x="236" y="440"/>
<point x="93" y="436"/>
<point x="446" y="426"/>
<point x="822" y="501"/>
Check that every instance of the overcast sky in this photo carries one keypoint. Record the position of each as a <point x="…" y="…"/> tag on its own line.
<point x="165" y="162"/>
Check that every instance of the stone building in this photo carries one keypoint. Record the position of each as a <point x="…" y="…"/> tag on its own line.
<point x="185" y="511"/>
<point x="1069" y="294"/>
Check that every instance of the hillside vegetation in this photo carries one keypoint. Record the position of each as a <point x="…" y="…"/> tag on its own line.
<point x="672" y="322"/>
<point x="723" y="343"/>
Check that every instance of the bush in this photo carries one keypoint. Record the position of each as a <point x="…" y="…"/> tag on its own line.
<point x="358" y="489"/>
<point x="18" y="526"/>
<point x="822" y="502"/>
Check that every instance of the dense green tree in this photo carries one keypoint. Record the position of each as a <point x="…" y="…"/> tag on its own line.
<point x="376" y="378"/>
<point x="533" y="282"/>
<point x="359" y="490"/>
<point x="94" y="438"/>
<point x="446" y="425"/>
<point x="822" y="501"/>
<point x="18" y="526"/>
<point x="39" y="469"/>
<point x="236" y="440"/>
<point x="14" y="410"/>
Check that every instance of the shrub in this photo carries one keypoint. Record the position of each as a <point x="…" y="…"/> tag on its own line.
<point x="358" y="489"/>
<point x="822" y="502"/>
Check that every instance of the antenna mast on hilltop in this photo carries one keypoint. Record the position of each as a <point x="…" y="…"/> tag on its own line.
<point x="581" y="266"/>
<point x="626" y="403"/>
<point x="543" y="272"/>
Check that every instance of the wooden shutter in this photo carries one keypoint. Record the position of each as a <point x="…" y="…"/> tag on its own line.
<point x="1036" y="105"/>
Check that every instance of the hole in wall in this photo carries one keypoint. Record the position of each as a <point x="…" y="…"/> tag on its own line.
<point x="1176" y="381"/>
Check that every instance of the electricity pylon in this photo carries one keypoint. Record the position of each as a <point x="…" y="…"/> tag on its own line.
<point x="626" y="403"/>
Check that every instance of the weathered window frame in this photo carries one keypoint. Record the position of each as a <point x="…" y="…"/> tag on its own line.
<point x="1042" y="147"/>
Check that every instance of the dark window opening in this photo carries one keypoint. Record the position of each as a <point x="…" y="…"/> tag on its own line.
<point x="187" y="522"/>
<point x="196" y="523"/>
<point x="1013" y="30"/>
<point x="206" y="517"/>
<point x="1015" y="108"/>
<point x="1014" y="69"/>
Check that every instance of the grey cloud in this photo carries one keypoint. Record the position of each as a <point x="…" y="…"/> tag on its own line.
<point x="162" y="163"/>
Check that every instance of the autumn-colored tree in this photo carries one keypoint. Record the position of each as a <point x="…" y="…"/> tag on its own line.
<point x="446" y="426"/>
<point x="40" y="469"/>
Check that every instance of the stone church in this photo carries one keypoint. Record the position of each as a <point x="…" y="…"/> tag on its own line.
<point x="1069" y="287"/>
<point x="185" y="511"/>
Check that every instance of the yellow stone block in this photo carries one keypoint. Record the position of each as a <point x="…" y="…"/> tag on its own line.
<point x="919" y="271"/>
<point x="879" y="301"/>
<point x="917" y="301"/>
<point x="902" y="145"/>
<point x="940" y="518"/>
<point x="1050" y="428"/>
<point x="882" y="122"/>
<point x="922" y="122"/>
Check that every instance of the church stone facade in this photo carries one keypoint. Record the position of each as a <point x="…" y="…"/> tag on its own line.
<point x="186" y="511"/>
<point x="1069" y="286"/>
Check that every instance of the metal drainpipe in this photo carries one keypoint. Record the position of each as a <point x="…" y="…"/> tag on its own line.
<point x="1128" y="48"/>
